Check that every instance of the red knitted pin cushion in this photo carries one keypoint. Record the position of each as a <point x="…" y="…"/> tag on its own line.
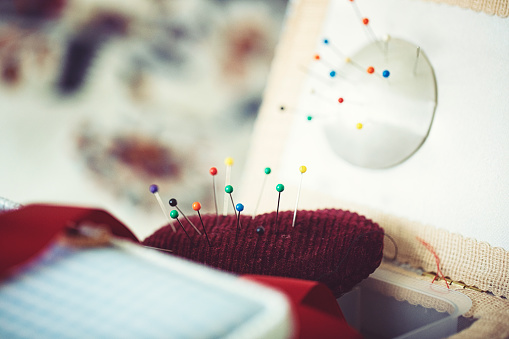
<point x="335" y="247"/>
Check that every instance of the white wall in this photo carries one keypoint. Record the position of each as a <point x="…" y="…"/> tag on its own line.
<point x="459" y="179"/>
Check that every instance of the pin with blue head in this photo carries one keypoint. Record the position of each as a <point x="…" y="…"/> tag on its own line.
<point x="229" y="163"/>
<point x="334" y="48"/>
<point x="197" y="207"/>
<point x="279" y="188"/>
<point x="386" y="74"/>
<point x="239" y="208"/>
<point x="173" y="203"/>
<point x="267" y="171"/>
<point x="154" y="189"/>
<point x="175" y="215"/>
<point x="302" y="170"/>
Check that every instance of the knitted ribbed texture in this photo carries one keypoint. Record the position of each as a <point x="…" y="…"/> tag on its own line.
<point x="335" y="247"/>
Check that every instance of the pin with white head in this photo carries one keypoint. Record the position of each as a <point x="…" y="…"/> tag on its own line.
<point x="173" y="203"/>
<point x="267" y="172"/>
<point x="154" y="189"/>
<point x="229" y="163"/>
<point x="302" y="170"/>
<point x="417" y="59"/>
<point x="386" y="38"/>
<point x="197" y="207"/>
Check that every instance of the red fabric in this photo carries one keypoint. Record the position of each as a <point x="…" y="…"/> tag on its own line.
<point x="316" y="311"/>
<point x="335" y="247"/>
<point x="25" y="232"/>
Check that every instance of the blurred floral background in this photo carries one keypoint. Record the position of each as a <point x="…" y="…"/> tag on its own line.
<point x="101" y="98"/>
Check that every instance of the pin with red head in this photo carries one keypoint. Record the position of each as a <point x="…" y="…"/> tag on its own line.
<point x="197" y="207"/>
<point x="213" y="173"/>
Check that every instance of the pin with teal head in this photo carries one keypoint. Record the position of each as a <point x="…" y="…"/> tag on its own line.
<point x="173" y="203"/>
<point x="267" y="172"/>
<point x="228" y="189"/>
<point x="175" y="215"/>
<point x="279" y="188"/>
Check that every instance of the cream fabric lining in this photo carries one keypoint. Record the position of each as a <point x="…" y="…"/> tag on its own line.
<point x="467" y="260"/>
<point x="492" y="7"/>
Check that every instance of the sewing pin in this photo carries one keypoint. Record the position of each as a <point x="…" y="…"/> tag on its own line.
<point x="334" y="48"/>
<point x="417" y="60"/>
<point x="197" y="208"/>
<point x="371" y="70"/>
<point x="158" y="249"/>
<point x="315" y="75"/>
<point x="302" y="170"/>
<point x="340" y="54"/>
<point x="239" y="207"/>
<point x="228" y="162"/>
<point x="332" y="72"/>
<point x="228" y="189"/>
<point x="173" y="203"/>
<point x="386" y="39"/>
<point x="175" y="215"/>
<point x="213" y="172"/>
<point x="280" y="188"/>
<point x="267" y="172"/>
<point x="155" y="191"/>
<point x="365" y="22"/>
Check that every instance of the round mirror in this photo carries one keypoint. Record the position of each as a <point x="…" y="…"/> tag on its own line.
<point x="384" y="116"/>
